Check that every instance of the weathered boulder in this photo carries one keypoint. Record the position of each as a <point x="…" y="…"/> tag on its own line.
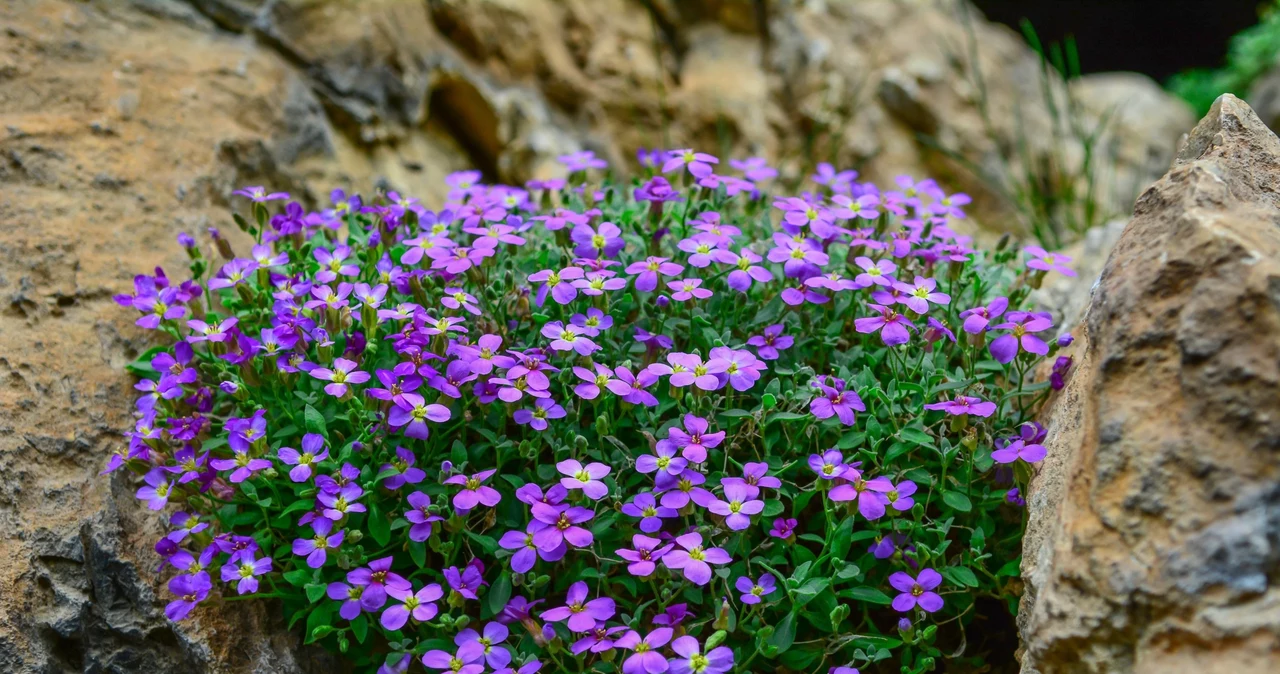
<point x="1154" y="536"/>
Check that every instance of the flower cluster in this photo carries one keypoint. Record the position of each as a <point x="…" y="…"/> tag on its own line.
<point x="592" y="425"/>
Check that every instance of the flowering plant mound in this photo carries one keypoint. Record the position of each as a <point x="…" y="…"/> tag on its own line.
<point x="593" y="425"/>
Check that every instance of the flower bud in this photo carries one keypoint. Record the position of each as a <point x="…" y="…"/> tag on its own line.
<point x="715" y="639"/>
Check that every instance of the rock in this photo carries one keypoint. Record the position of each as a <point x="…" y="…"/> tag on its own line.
<point x="1154" y="535"/>
<point x="1264" y="96"/>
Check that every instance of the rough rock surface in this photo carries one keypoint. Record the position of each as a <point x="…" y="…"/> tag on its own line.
<point x="123" y="122"/>
<point x="1154" y="538"/>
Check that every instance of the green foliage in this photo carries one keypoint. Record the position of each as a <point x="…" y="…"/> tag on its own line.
<point x="1250" y="53"/>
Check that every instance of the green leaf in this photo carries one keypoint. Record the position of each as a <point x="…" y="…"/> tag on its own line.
<point x="957" y="501"/>
<point x="298" y="577"/>
<point x="1011" y="568"/>
<point x="315" y="421"/>
<point x="360" y="628"/>
<point x="299" y="505"/>
<point x="772" y="508"/>
<point x="488" y="544"/>
<point x="896" y="450"/>
<point x="867" y="594"/>
<point x="315" y="591"/>
<point x="735" y="413"/>
<point x="418" y="552"/>
<point x="810" y="589"/>
<point x="918" y="437"/>
<point x="496" y="599"/>
<point x="852" y="439"/>
<point x="379" y="525"/>
<point x="784" y="634"/>
<point x="960" y="575"/>
<point x="318" y="622"/>
<point x="769" y="400"/>
<point x="842" y="538"/>
<point x="785" y="416"/>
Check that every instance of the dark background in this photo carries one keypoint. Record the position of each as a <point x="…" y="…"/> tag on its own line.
<point x="1156" y="37"/>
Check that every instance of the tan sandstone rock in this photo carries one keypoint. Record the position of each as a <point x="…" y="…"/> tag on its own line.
<point x="1154" y="536"/>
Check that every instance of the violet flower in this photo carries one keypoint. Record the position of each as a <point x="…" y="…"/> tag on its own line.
<point x="474" y="492"/>
<point x="695" y="560"/>
<point x="316" y="548"/>
<point x="313" y="451"/>
<point x="1020" y="325"/>
<point x="580" y="613"/>
<point x="344" y="372"/>
<point x="691" y="660"/>
<point x="644" y="506"/>
<point x="419" y="517"/>
<point x="916" y="591"/>
<point x="536" y="418"/>
<point x="190" y="590"/>
<point x="754" y="591"/>
<point x="645" y="658"/>
<point x="245" y="572"/>
<point x="494" y="634"/>
<point x="1042" y="260"/>
<point x="468" y="659"/>
<point x="738" y="505"/>
<point x="892" y="326"/>
<point x="977" y="318"/>
<point x="556" y="525"/>
<point x="771" y="342"/>
<point x="527" y="551"/>
<point x="587" y="478"/>
<point x="693" y="440"/>
<point x="963" y="405"/>
<point x="647" y="552"/>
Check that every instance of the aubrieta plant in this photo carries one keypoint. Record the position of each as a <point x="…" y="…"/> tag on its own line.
<point x="672" y="424"/>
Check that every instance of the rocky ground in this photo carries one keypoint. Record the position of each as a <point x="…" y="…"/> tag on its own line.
<point x="125" y="122"/>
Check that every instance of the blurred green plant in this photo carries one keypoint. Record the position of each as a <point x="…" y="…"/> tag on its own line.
<point x="1250" y="53"/>
<point x="1055" y="186"/>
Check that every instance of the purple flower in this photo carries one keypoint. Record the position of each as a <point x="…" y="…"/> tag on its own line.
<point x="556" y="525"/>
<point x="316" y="548"/>
<point x="157" y="490"/>
<point x="245" y="572"/>
<point x="556" y="283"/>
<point x="212" y="332"/>
<point x="1042" y="260"/>
<point x="1060" y="368"/>
<point x="1019" y="449"/>
<point x="688" y="289"/>
<point x="527" y="551"/>
<point x="869" y="494"/>
<point x="916" y="591"/>
<point x="688" y="368"/>
<point x="578" y="161"/>
<point x="900" y="496"/>
<point x="232" y="274"/>
<point x="494" y="634"/>
<point x="963" y="405"/>
<point x="977" y="318"/>
<point x="784" y="527"/>
<point x="657" y="192"/>
<point x="411" y="413"/>
<point x="378" y="580"/>
<point x="644" y="506"/>
<point x="665" y="459"/>
<point x="259" y="194"/>
<point x="752" y="591"/>
<point x="457" y="298"/>
<point x="419" y="517"/>
<point x="878" y="273"/>
<point x="645" y="658"/>
<point x="647" y="552"/>
<point x="190" y="590"/>
<point x="543" y="409"/>
<point x="693" y="440"/>
<point x="313" y="451"/>
<point x="581" y="614"/>
<point x="678" y="491"/>
<point x="798" y="258"/>
<point x="332" y="264"/>
<point x="648" y="270"/>
<point x="922" y="293"/>
<point x="691" y="660"/>
<point x="593" y="382"/>
<point x="771" y="342"/>
<point x="337" y="506"/>
<point x="755" y="475"/>
<point x="748" y="269"/>
<point x="474" y="492"/>
<point x="693" y="559"/>
<point x="892" y="326"/>
<point x="1021" y="325"/>
<point x="587" y="478"/>
<point x="568" y="338"/>
<point x="344" y="372"/>
<point x="466" y="581"/>
<point x="468" y="659"/>
<point x="485" y="355"/>
<point x="755" y="169"/>
<point x="797" y="212"/>
<point x="739" y="504"/>
<point x="698" y="163"/>
<point x="405" y="471"/>
<point x="833" y="401"/>
<point x="829" y="465"/>
<point x="603" y="241"/>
